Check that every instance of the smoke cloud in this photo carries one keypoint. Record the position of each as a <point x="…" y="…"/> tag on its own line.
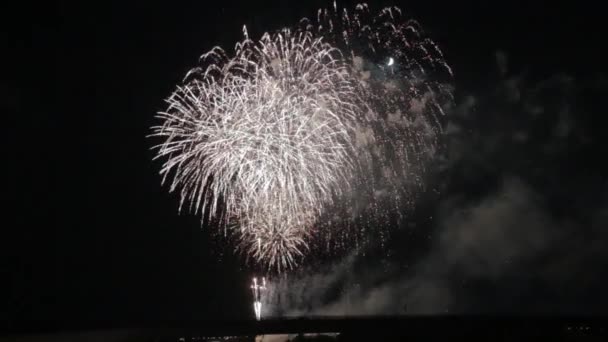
<point x="521" y="225"/>
<point x="498" y="252"/>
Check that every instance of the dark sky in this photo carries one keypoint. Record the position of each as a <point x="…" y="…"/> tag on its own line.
<point x="92" y="237"/>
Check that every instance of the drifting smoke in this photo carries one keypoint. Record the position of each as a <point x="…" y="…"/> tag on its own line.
<point x="312" y="134"/>
<point x="506" y="254"/>
<point x="512" y="234"/>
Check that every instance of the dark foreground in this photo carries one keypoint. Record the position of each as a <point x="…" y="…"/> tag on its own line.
<point x="335" y="329"/>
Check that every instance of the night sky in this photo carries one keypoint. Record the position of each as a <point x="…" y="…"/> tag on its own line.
<point x="521" y="223"/>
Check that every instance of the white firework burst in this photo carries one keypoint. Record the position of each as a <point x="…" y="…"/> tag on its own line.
<point x="296" y="129"/>
<point x="267" y="134"/>
<point x="405" y="85"/>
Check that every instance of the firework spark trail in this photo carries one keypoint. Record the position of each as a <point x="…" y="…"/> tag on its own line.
<point x="292" y="124"/>
<point x="257" y="296"/>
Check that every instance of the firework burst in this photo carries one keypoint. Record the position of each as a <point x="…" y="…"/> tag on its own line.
<point x="293" y="125"/>
<point x="405" y="83"/>
<point x="267" y="133"/>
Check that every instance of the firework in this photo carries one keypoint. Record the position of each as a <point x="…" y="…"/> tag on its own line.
<point x="267" y="133"/>
<point x="405" y="83"/>
<point x="294" y="125"/>
<point x="257" y="296"/>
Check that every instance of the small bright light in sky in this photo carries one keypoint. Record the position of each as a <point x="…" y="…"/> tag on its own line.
<point x="391" y="61"/>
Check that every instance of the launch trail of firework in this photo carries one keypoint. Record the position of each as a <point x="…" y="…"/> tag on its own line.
<point x="294" y="129"/>
<point x="257" y="296"/>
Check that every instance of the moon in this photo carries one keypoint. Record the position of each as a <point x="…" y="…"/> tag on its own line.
<point x="391" y="61"/>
